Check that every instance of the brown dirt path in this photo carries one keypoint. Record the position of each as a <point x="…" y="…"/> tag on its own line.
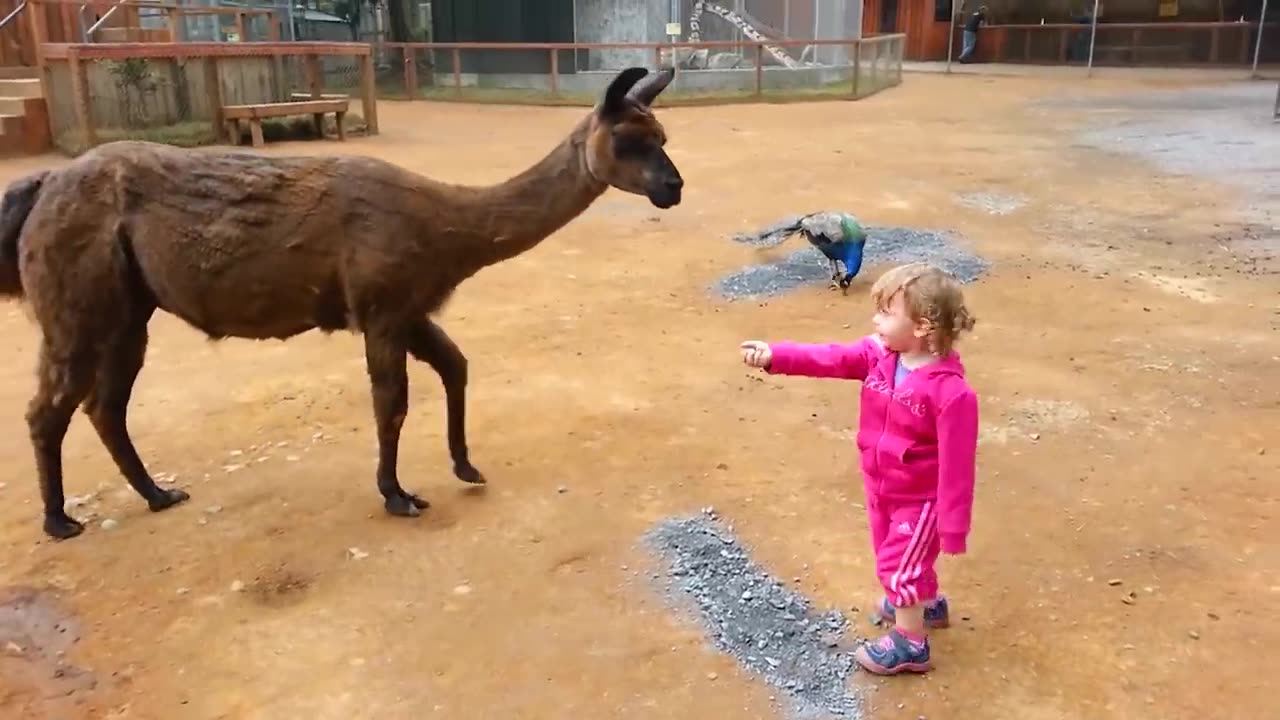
<point x="1129" y="433"/>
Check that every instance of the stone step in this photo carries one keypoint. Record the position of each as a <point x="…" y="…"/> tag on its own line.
<point x="20" y="88"/>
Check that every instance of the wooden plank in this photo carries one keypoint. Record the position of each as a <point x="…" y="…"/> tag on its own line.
<point x="264" y="110"/>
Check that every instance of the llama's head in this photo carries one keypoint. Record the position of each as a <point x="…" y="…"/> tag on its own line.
<point x="625" y="141"/>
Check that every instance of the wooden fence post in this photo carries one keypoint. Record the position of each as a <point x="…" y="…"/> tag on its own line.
<point x="213" y="86"/>
<point x="368" y="91"/>
<point x="555" y="73"/>
<point x="80" y="97"/>
<point x="457" y="71"/>
<point x="410" y="72"/>
<point x="315" y="75"/>
<point x="857" y="65"/>
<point x="759" y="69"/>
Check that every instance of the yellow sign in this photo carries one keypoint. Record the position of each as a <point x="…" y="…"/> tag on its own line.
<point x="673" y="28"/>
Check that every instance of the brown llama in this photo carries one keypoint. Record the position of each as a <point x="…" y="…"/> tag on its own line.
<point x="247" y="246"/>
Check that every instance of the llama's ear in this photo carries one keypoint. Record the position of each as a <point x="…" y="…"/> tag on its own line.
<point x="615" y="97"/>
<point x="646" y="92"/>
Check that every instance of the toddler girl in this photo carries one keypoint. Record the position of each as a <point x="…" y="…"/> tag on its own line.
<point x="917" y="437"/>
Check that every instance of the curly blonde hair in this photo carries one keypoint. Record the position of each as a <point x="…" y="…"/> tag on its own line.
<point x="931" y="296"/>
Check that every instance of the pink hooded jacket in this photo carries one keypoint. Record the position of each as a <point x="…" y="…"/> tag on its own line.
<point x="917" y="442"/>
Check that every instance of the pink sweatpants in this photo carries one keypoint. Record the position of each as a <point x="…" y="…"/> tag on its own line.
<point x="905" y="538"/>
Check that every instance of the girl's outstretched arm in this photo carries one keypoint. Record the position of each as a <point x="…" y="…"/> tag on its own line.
<point x="826" y="360"/>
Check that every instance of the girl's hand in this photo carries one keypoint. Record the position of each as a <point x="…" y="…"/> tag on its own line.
<point x="756" y="353"/>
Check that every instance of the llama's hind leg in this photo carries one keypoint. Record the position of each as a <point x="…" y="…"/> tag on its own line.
<point x="63" y="380"/>
<point x="385" y="356"/>
<point x="108" y="406"/>
<point x="429" y="343"/>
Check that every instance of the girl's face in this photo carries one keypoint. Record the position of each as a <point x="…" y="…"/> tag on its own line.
<point x="897" y="330"/>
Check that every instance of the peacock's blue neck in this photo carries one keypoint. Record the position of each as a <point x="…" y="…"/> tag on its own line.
<point x="853" y="259"/>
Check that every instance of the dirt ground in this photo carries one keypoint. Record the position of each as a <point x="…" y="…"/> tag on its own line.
<point x="1123" y="561"/>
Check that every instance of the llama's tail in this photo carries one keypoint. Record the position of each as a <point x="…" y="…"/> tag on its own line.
<point x="19" y="198"/>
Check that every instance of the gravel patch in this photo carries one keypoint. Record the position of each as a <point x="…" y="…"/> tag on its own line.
<point x="992" y="203"/>
<point x="768" y="628"/>
<point x="1220" y="132"/>
<point x="885" y="246"/>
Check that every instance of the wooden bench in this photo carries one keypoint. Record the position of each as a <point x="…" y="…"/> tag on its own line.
<point x="255" y="113"/>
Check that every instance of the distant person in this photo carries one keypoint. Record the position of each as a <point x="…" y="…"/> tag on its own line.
<point x="971" y="25"/>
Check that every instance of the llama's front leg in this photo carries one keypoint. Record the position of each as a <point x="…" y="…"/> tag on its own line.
<point x="390" y="384"/>
<point x="429" y="343"/>
<point x="108" y="406"/>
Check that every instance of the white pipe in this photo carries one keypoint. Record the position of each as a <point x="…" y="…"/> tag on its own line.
<point x="1093" y="37"/>
<point x="1257" y="46"/>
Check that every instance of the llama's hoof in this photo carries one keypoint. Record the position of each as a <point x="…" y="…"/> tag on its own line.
<point x="406" y="505"/>
<point x="167" y="499"/>
<point x="468" y="473"/>
<point x="61" y="527"/>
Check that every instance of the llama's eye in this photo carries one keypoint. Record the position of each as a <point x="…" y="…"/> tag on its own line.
<point x="630" y="147"/>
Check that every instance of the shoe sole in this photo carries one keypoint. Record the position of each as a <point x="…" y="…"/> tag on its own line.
<point x="873" y="667"/>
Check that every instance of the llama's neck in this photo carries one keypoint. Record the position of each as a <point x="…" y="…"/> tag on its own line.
<point x="516" y="215"/>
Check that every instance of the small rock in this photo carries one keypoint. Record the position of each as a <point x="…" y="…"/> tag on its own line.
<point x="13" y="648"/>
<point x="1193" y="634"/>
<point x="1129" y="599"/>
<point x="110" y="524"/>
<point x="712" y="676"/>
<point x="292" y="458"/>
<point x="232" y="468"/>
<point x="236" y="453"/>
<point x="183" y="591"/>
<point x="213" y="510"/>
<point x="1214" y="616"/>
<point x="1035" y="436"/>
<point x="562" y="489"/>
<point x="237" y="586"/>
<point x="1114" y="581"/>
<point x="463" y="589"/>
<point x="355" y="553"/>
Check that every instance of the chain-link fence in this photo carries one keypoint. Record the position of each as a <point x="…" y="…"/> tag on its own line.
<point x="179" y="99"/>
<point x="742" y="22"/>
<point x="546" y="73"/>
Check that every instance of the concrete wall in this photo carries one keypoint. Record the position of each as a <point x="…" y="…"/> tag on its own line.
<point x="693" y="81"/>
<point x="605" y="21"/>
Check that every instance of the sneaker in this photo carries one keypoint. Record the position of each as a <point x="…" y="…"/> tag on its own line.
<point x="936" y="614"/>
<point x="893" y="654"/>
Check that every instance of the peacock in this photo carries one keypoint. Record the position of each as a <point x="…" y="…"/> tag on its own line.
<point x="837" y="235"/>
